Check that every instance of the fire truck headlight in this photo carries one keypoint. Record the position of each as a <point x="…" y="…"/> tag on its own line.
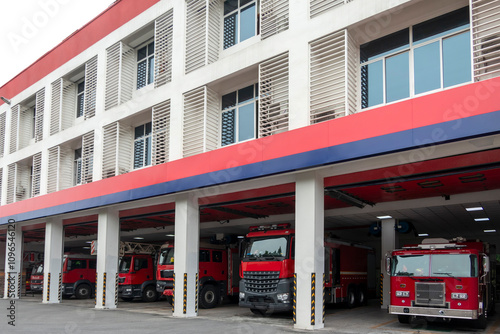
<point x="283" y="297"/>
<point x="402" y="293"/>
<point x="459" y="295"/>
<point x="242" y="295"/>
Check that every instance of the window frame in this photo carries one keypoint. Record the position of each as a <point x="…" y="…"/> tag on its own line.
<point x="143" y="138"/>
<point x="149" y="58"/>
<point x="77" y="167"/>
<point x="410" y="49"/>
<point x="235" y="108"/>
<point x="80" y="113"/>
<point x="238" y="11"/>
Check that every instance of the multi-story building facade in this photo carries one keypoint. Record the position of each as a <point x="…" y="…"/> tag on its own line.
<point x="196" y="102"/>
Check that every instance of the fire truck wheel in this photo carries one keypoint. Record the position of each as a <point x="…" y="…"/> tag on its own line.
<point x="208" y="296"/>
<point x="351" y="297"/>
<point x="149" y="294"/>
<point x="361" y="296"/>
<point x="481" y="322"/>
<point x="83" y="291"/>
<point x="403" y="319"/>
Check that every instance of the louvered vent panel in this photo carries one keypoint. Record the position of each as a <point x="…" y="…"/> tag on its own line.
<point x="11" y="183"/>
<point x="194" y="118"/>
<point x="87" y="157"/>
<point x="2" y="136"/>
<point x="68" y="112"/>
<point x="163" y="48"/>
<point x="212" y="121"/>
<point x="274" y="14"/>
<point x="53" y="169"/>
<point x="273" y="93"/>
<point x="37" y="175"/>
<point x="109" y="150"/>
<point x="160" y="132"/>
<point x="26" y="126"/>
<point x="328" y="77"/>
<point x="352" y="75"/>
<point x="125" y="143"/>
<point x="40" y="108"/>
<point x="113" y="64"/>
<point x="23" y="184"/>
<point x="215" y="11"/>
<point x="14" y="124"/>
<point x="90" y="88"/>
<point x="321" y="6"/>
<point x="127" y="73"/>
<point x="1" y="183"/>
<point x="56" y="107"/>
<point x="196" y="34"/>
<point x="485" y="38"/>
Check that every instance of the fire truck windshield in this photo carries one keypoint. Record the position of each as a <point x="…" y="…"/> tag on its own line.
<point x="438" y="265"/>
<point x="37" y="270"/>
<point x="266" y="249"/>
<point x="166" y="256"/>
<point x="124" y="265"/>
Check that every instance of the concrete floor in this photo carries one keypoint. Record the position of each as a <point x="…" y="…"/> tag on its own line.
<point x="79" y="316"/>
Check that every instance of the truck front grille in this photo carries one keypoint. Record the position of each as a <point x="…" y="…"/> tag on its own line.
<point x="167" y="274"/>
<point x="261" y="281"/>
<point x="430" y="294"/>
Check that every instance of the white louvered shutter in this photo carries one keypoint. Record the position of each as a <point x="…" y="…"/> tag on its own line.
<point x="274" y="17"/>
<point x="117" y="152"/>
<point x="320" y="6"/>
<point x="2" y="135"/>
<point x="485" y="38"/>
<point x="120" y="69"/>
<point x="160" y="133"/>
<point x="90" y="88"/>
<point x="1" y="183"/>
<point x="60" y="167"/>
<point x="36" y="174"/>
<point x="163" y="48"/>
<point x="39" y="112"/>
<point x="14" y="124"/>
<point x="273" y="95"/>
<point x="87" y="157"/>
<point x="11" y="183"/>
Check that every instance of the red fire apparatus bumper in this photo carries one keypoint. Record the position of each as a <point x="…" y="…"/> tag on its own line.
<point x="433" y="312"/>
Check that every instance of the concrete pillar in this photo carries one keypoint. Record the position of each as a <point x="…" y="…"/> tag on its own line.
<point x="108" y="245"/>
<point x="186" y="255"/>
<point x="388" y="243"/>
<point x="13" y="260"/>
<point x="52" y="263"/>
<point x="309" y="251"/>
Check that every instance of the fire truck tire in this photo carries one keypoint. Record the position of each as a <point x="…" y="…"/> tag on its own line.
<point x="149" y="294"/>
<point x="361" y="296"/>
<point x="480" y="323"/>
<point x="351" y="297"/>
<point x="258" y="312"/>
<point x="83" y="291"/>
<point x="403" y="319"/>
<point x="208" y="296"/>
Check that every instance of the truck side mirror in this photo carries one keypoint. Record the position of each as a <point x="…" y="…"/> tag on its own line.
<point x="486" y="264"/>
<point x="388" y="265"/>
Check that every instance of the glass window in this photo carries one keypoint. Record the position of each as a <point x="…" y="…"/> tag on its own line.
<point x="76" y="264"/>
<point x="92" y="264"/>
<point x="239" y="115"/>
<point x="77" y="167"/>
<point x="145" y="65"/>
<point x="166" y="256"/>
<point x="124" y="265"/>
<point x="142" y="145"/>
<point x="80" y="99"/>
<point x="456" y="265"/>
<point x="140" y="263"/>
<point x="240" y="21"/>
<point x="267" y="248"/>
<point x="216" y="256"/>
<point x="441" y="54"/>
<point x="204" y="255"/>
<point x="410" y="265"/>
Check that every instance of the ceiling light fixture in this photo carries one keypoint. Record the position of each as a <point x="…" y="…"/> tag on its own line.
<point x="481" y="219"/>
<point x="476" y="208"/>
<point x="490" y="231"/>
<point x="384" y="217"/>
<point x="423" y="234"/>
<point x="138" y="238"/>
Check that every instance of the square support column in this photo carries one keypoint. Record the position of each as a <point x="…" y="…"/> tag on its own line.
<point x="309" y="251"/>
<point x="13" y="260"/>
<point x="186" y="254"/>
<point x="388" y="243"/>
<point x="52" y="262"/>
<point x="108" y="245"/>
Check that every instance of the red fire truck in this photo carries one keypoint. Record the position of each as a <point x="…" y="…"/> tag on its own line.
<point x="268" y="265"/>
<point x="216" y="275"/>
<point x="439" y="279"/>
<point x="36" y="280"/>
<point x="136" y="271"/>
<point x="79" y="273"/>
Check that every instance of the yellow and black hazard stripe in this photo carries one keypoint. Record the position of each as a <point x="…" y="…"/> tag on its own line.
<point x="104" y="290"/>
<point x="48" y="287"/>
<point x="184" y="295"/>
<point x="323" y="297"/>
<point x="196" y="295"/>
<point x="95" y="288"/>
<point x="381" y="289"/>
<point x="116" y="289"/>
<point x="313" y="299"/>
<point x="19" y="278"/>
<point x="59" y="287"/>
<point x="173" y="296"/>
<point x="294" y="298"/>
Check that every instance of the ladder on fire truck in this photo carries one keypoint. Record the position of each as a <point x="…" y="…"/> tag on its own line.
<point x="130" y="247"/>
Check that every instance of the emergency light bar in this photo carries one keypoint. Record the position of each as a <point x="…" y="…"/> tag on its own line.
<point x="270" y="227"/>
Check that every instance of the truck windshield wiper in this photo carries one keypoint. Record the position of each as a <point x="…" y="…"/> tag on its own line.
<point x="448" y="274"/>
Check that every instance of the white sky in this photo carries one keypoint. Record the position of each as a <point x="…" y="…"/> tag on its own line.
<point x="30" y="28"/>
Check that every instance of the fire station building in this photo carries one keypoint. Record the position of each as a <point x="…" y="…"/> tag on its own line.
<point x="374" y="121"/>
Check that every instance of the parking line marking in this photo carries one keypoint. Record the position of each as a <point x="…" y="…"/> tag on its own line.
<point x="383" y="324"/>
